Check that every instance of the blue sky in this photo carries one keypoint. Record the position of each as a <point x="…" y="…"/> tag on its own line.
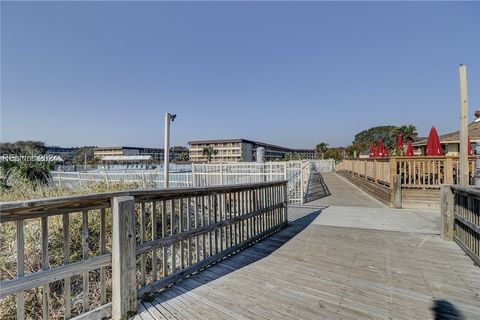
<point x="294" y="74"/>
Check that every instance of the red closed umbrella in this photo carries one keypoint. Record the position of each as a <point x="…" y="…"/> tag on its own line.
<point x="434" y="148"/>
<point x="409" y="152"/>
<point x="385" y="151"/>
<point x="379" y="148"/>
<point x="372" y="150"/>
<point x="400" y="142"/>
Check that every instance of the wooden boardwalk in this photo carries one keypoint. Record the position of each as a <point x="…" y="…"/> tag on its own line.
<point x="334" y="262"/>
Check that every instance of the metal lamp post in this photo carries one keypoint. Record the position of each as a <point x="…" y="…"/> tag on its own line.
<point x="166" y="156"/>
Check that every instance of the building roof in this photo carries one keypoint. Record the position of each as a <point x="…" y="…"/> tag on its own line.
<point x="126" y="158"/>
<point x="114" y="148"/>
<point x="454" y="137"/>
<point x="174" y="148"/>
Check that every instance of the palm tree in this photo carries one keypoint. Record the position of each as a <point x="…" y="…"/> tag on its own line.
<point x="25" y="169"/>
<point x="320" y="149"/>
<point x="209" y="152"/>
<point x="409" y="132"/>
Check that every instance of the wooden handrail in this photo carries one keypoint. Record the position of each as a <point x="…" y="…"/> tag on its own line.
<point x="23" y="209"/>
<point x="415" y="172"/>
<point x="180" y="230"/>
<point x="461" y="218"/>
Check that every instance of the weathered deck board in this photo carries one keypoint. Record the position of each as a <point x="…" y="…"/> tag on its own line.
<point x="315" y="271"/>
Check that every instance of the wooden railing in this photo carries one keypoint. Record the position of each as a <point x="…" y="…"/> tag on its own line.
<point x="376" y="170"/>
<point x="461" y="218"/>
<point x="101" y="252"/>
<point x="414" y="172"/>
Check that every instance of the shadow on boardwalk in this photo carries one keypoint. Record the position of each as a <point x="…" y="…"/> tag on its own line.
<point x="445" y="310"/>
<point x="317" y="188"/>
<point x="300" y="220"/>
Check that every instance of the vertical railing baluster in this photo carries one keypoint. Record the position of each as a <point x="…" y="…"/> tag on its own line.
<point x="216" y="232"/>
<point x="252" y="209"/>
<point x="197" y="244"/>
<point x="154" y="237"/>
<point x="222" y="208"/>
<point x="85" y="253"/>
<point x="189" y="240"/>
<point x="180" y="230"/>
<point x="172" y="231"/>
<point x="45" y="287"/>
<point x="20" y="268"/>
<point x="66" y="260"/>
<point x="284" y="199"/>
<point x="242" y="212"/>
<point x="143" y="270"/>
<point x="204" y="248"/>
<point x="164" y="234"/>
<point x="236" y="214"/>
<point x="103" y="250"/>
<point x="209" y="201"/>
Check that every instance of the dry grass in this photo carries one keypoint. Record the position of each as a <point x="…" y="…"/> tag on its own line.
<point x="32" y="229"/>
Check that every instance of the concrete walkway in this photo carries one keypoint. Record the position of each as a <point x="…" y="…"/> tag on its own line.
<point x="344" y="205"/>
<point x="330" y="189"/>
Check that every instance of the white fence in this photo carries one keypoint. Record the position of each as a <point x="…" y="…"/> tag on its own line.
<point x="297" y="173"/>
<point x="147" y="178"/>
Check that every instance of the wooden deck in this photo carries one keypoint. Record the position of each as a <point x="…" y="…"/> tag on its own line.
<point x="334" y="262"/>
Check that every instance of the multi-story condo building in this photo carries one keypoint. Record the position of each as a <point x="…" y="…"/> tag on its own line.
<point x="157" y="154"/>
<point x="101" y="152"/>
<point x="64" y="153"/>
<point x="236" y="150"/>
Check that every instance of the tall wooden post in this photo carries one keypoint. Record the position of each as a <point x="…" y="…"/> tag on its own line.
<point x="124" y="288"/>
<point x="397" y="191"/>
<point x="463" y="160"/>
<point x="447" y="214"/>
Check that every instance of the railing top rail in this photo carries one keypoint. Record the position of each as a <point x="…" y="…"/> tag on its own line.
<point x="11" y="211"/>
<point x="470" y="190"/>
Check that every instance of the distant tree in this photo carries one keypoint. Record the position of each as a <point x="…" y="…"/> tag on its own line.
<point x="335" y="153"/>
<point x="320" y="149"/>
<point x="79" y="155"/>
<point x="409" y="133"/>
<point x="383" y="133"/>
<point x="184" y="156"/>
<point x="291" y="157"/>
<point x="23" y="148"/>
<point x="209" y="152"/>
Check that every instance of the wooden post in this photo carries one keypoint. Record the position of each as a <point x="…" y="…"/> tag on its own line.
<point x="463" y="160"/>
<point x="124" y="291"/>
<point x="447" y="211"/>
<point x="393" y="168"/>
<point x="449" y="171"/>
<point x="397" y="191"/>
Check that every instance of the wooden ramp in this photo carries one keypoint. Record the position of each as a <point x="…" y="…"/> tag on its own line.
<point x="315" y="271"/>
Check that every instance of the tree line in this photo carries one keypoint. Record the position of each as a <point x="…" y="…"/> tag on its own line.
<point x="361" y="143"/>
